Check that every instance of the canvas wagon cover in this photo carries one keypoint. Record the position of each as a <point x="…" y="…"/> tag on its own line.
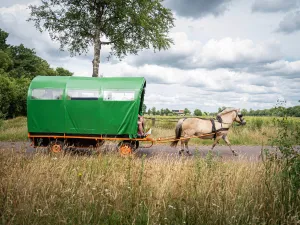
<point x="85" y="105"/>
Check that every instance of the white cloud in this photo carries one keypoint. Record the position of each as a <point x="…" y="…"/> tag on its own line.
<point x="229" y="52"/>
<point x="224" y="53"/>
<point x="284" y="68"/>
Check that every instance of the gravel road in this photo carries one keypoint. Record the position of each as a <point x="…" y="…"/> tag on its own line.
<point x="251" y="153"/>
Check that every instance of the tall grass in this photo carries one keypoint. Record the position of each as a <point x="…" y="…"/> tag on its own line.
<point x="14" y="129"/>
<point x="40" y="189"/>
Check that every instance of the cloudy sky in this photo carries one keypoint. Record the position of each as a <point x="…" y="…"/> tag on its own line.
<point x="238" y="53"/>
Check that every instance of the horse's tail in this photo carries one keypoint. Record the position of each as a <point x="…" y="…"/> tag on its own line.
<point x="178" y="131"/>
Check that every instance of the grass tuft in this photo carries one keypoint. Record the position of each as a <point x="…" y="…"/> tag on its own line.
<point x="40" y="189"/>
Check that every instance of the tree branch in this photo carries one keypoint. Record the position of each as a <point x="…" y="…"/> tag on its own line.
<point x="107" y="42"/>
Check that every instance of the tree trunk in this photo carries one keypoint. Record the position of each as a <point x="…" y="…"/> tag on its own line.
<point x="97" y="49"/>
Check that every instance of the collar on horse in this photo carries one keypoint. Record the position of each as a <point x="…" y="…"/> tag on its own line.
<point x="214" y="130"/>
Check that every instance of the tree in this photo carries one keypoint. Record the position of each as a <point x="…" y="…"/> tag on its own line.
<point x="167" y="111"/>
<point x="197" y="112"/>
<point x="7" y="95"/>
<point x="244" y="112"/>
<point x="63" y="72"/>
<point x="18" y="65"/>
<point x="187" y="112"/>
<point x="5" y="61"/>
<point x="3" y="37"/>
<point x="149" y="112"/>
<point x="144" y="108"/>
<point x="127" y="26"/>
<point x="153" y="111"/>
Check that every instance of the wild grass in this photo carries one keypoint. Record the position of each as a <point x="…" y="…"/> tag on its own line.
<point x="108" y="189"/>
<point x="14" y="129"/>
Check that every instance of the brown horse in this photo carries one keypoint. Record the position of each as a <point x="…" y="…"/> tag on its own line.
<point x="207" y="128"/>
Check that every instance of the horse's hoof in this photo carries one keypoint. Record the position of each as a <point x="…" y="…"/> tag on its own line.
<point x="189" y="154"/>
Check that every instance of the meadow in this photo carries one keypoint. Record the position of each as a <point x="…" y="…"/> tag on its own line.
<point x="258" y="131"/>
<point x="38" y="188"/>
<point x="109" y="189"/>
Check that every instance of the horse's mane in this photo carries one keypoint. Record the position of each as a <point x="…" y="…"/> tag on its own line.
<point x="227" y="110"/>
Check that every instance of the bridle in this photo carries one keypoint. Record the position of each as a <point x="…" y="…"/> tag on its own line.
<point x="220" y="120"/>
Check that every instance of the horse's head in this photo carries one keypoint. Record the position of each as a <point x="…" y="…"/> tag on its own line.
<point x="239" y="118"/>
<point x="230" y="115"/>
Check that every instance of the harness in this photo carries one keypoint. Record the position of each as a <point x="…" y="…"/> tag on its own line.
<point x="214" y="130"/>
<point x="220" y="120"/>
<point x="213" y="127"/>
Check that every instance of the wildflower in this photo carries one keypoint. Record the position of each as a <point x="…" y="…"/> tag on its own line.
<point x="171" y="207"/>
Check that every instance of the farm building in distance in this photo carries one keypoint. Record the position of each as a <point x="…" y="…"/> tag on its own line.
<point x="178" y="112"/>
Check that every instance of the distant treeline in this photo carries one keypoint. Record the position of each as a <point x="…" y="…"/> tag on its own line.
<point x="276" y="111"/>
<point x="18" y="66"/>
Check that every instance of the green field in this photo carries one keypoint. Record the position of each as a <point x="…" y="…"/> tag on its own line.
<point x="258" y="131"/>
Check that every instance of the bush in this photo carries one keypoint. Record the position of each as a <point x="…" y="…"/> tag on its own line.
<point x="287" y="156"/>
<point x="7" y="95"/>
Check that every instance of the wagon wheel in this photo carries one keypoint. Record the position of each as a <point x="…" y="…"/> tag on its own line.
<point x="56" y="147"/>
<point x="126" y="148"/>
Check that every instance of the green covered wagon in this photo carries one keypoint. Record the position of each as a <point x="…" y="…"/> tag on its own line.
<point x="83" y="111"/>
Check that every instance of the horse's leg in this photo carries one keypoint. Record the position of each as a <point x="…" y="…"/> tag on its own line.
<point x="215" y="142"/>
<point x="182" y="147"/>
<point x="187" y="147"/>
<point x="225" y="138"/>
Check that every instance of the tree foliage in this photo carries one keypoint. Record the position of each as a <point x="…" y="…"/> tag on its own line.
<point x="187" y="111"/>
<point x="197" y="112"/>
<point x="275" y="111"/>
<point x="127" y="26"/>
<point x="18" y="66"/>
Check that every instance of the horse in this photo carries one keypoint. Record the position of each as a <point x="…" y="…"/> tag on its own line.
<point x="207" y="128"/>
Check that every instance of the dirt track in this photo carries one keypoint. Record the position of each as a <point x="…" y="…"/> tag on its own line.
<point x="244" y="152"/>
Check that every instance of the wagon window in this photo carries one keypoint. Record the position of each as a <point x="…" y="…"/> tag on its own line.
<point x="113" y="95"/>
<point x="83" y="94"/>
<point x="47" y="94"/>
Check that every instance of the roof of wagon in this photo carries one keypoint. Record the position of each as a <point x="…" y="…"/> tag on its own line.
<point x="88" y="82"/>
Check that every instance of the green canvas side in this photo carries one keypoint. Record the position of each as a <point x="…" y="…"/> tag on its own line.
<point x="86" y="116"/>
<point x="46" y="116"/>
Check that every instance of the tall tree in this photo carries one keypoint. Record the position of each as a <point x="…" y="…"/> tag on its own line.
<point x="187" y="111"/>
<point x="3" y="37"/>
<point x="197" y="112"/>
<point x="153" y="111"/>
<point x="63" y="72"/>
<point x="127" y="25"/>
<point x="167" y="111"/>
